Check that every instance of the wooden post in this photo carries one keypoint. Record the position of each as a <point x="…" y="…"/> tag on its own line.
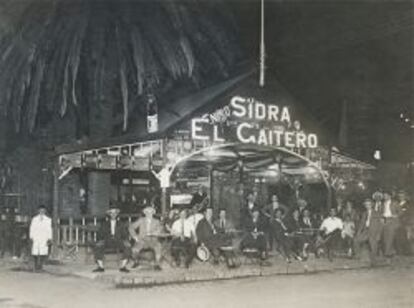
<point x="83" y="231"/>
<point x="55" y="209"/>
<point x="211" y="178"/>
<point x="163" y="201"/>
<point x="70" y="229"/>
<point x="330" y="195"/>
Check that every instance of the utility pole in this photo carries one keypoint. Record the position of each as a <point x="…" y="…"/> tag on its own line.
<point x="262" y="46"/>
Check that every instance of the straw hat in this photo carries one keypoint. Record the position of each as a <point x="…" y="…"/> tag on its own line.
<point x="377" y="196"/>
<point x="203" y="253"/>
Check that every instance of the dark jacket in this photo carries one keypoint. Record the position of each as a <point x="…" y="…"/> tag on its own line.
<point x="279" y="230"/>
<point x="308" y="225"/>
<point x="228" y="226"/>
<point x="293" y="224"/>
<point x="255" y="226"/>
<point x="104" y="232"/>
<point x="205" y="231"/>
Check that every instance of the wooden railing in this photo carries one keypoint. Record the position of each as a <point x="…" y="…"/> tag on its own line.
<point x="81" y="231"/>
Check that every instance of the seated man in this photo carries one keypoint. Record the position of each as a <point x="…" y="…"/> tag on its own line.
<point x="208" y="236"/>
<point x="114" y="235"/>
<point x="148" y="228"/>
<point x="269" y="209"/>
<point x="183" y="240"/>
<point x="254" y="237"/>
<point x="330" y="232"/>
<point x="281" y="235"/>
<point x="223" y="224"/>
<point x="308" y="228"/>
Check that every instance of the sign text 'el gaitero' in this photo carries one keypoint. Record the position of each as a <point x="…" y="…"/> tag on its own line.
<point x="248" y="120"/>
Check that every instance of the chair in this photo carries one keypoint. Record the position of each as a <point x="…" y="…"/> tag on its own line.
<point x="252" y="256"/>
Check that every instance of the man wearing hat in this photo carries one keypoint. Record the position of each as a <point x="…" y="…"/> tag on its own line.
<point x="406" y="217"/>
<point x="144" y="232"/>
<point x="112" y="234"/>
<point x="183" y="242"/>
<point x="255" y="229"/>
<point x="369" y="229"/>
<point x="40" y="233"/>
<point x="199" y="200"/>
<point x="390" y="214"/>
<point x="209" y="236"/>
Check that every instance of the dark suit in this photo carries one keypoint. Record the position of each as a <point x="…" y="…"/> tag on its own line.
<point x="197" y="200"/>
<point x="208" y="235"/>
<point x="369" y="230"/>
<point x="118" y="241"/>
<point x="228" y="225"/>
<point x="403" y="236"/>
<point x="285" y="243"/>
<point x="254" y="236"/>
<point x="391" y="225"/>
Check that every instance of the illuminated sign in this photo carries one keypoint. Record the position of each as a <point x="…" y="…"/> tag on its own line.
<point x="250" y="121"/>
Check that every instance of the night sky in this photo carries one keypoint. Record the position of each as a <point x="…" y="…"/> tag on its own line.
<point x="325" y="54"/>
<point x="358" y="51"/>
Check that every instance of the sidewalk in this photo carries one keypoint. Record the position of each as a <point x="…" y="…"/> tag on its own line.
<point x="198" y="272"/>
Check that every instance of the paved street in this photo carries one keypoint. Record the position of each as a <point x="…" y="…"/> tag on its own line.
<point x="384" y="287"/>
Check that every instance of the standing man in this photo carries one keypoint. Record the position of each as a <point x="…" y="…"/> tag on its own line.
<point x="40" y="234"/>
<point x="112" y="234"/>
<point x="390" y="215"/>
<point x="144" y="232"/>
<point x="369" y="230"/>
<point x="199" y="200"/>
<point x="406" y="219"/>
<point x="274" y="204"/>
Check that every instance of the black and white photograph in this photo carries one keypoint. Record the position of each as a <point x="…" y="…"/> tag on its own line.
<point x="206" y="153"/>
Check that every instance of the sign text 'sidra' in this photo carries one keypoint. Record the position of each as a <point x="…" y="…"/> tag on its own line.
<point x="255" y="122"/>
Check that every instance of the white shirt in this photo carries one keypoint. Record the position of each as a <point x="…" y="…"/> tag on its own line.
<point x="250" y="205"/>
<point x="369" y="213"/>
<point x="164" y="176"/>
<point x="182" y="228"/>
<point x="113" y="225"/>
<point x="330" y="224"/>
<point x="387" y="209"/>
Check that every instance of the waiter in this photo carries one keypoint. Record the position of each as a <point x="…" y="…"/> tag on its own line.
<point x="40" y="234"/>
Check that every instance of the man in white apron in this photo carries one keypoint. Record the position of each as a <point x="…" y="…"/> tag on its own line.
<point x="41" y="235"/>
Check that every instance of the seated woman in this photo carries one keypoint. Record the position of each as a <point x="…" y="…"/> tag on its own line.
<point x="254" y="237"/>
<point x="208" y="235"/>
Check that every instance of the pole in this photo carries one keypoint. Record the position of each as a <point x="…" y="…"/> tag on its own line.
<point x="55" y="210"/>
<point x="262" y="46"/>
<point x="330" y="195"/>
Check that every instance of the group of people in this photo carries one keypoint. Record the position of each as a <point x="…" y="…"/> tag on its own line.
<point x="385" y="224"/>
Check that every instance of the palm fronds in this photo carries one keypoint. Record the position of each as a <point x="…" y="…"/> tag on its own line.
<point x="61" y="54"/>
